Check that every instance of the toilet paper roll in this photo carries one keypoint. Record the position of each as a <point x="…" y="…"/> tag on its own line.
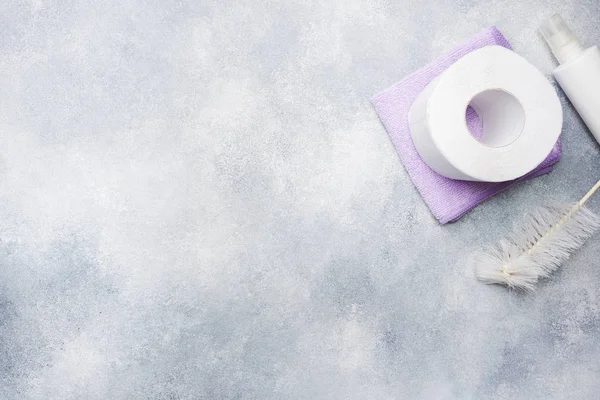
<point x="518" y="107"/>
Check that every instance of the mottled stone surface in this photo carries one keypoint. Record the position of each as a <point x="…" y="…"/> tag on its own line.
<point x="197" y="201"/>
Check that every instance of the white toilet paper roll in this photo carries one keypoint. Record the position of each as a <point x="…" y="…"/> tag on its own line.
<point x="519" y="109"/>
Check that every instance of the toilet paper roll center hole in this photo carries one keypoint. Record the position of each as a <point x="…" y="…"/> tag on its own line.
<point x="495" y="118"/>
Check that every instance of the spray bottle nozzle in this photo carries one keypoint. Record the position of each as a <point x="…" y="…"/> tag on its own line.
<point x="564" y="45"/>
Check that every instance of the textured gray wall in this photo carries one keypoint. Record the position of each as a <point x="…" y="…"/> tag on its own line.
<point x="197" y="201"/>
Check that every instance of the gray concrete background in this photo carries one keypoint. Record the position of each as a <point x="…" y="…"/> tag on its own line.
<point x="197" y="201"/>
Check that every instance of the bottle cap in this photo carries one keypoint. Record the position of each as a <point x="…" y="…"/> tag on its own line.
<point x="564" y="45"/>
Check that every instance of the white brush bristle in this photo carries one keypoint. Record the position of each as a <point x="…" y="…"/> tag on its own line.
<point x="538" y="247"/>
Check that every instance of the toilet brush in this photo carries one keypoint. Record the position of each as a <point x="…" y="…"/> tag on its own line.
<point x="539" y="246"/>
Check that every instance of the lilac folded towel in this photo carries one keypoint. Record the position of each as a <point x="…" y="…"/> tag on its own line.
<point x="447" y="199"/>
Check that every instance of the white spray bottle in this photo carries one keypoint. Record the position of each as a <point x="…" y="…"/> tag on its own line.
<point x="579" y="71"/>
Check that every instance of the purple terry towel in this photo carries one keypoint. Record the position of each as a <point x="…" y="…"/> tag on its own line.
<point x="447" y="199"/>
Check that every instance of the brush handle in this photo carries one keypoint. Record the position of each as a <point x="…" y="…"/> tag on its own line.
<point x="589" y="194"/>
